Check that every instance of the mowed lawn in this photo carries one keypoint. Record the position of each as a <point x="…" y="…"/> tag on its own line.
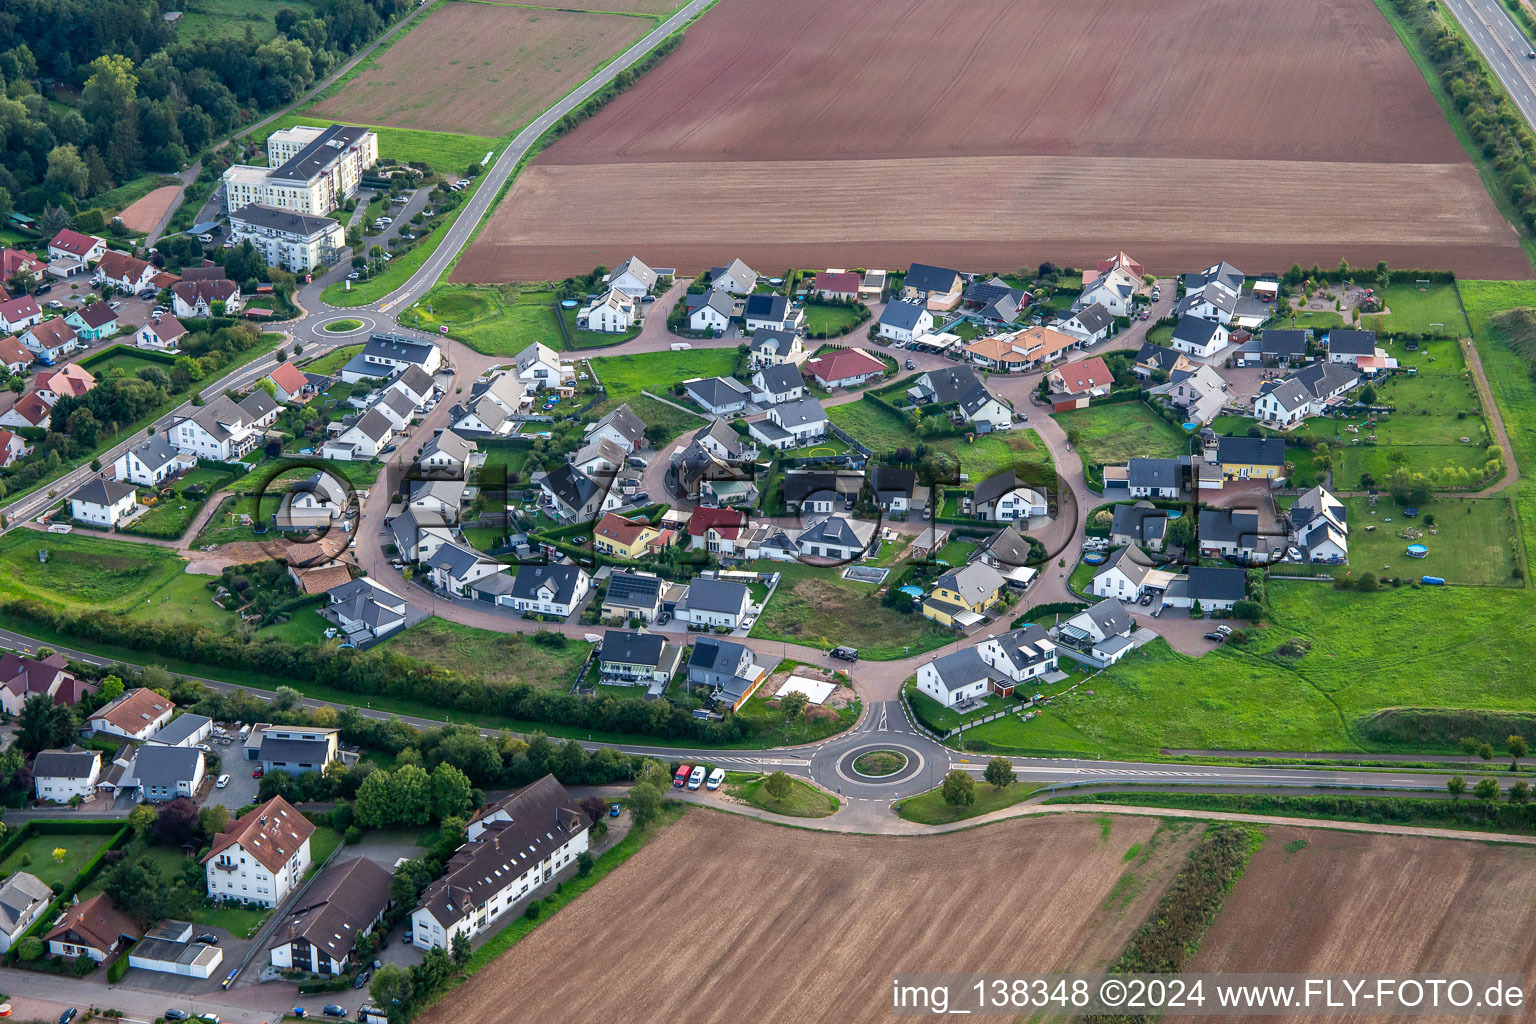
<point x="657" y="372"/>
<point x="1473" y="540"/>
<point x="499" y="657"/>
<point x="886" y="431"/>
<point x="207" y="20"/>
<point x="444" y="152"/>
<point x="36" y="856"/>
<point x="498" y="320"/>
<point x="1107" y="435"/>
<point x="83" y="571"/>
<point x="1435" y="308"/>
<point x="815" y="606"/>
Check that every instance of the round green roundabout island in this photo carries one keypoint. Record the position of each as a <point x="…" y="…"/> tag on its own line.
<point x="879" y="763"/>
<point x="343" y="326"/>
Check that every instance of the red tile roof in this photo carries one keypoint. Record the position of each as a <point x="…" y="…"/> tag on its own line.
<point x="167" y="327"/>
<point x="13" y="351"/>
<point x="31" y="408"/>
<point x="727" y="521"/>
<point x="272" y="833"/>
<point x="289" y="377"/>
<point x="842" y="364"/>
<point x="73" y="380"/>
<point x="622" y="531"/>
<point x="20" y="308"/>
<point x="120" y="265"/>
<point x="12" y="260"/>
<point x="134" y="710"/>
<point x="98" y="922"/>
<point x="74" y="242"/>
<point x="97" y="314"/>
<point x="53" y="333"/>
<point x="1085" y="375"/>
<point x="840" y="284"/>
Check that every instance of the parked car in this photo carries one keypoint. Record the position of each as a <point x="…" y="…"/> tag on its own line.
<point x="613" y="810"/>
<point x="332" y="1010"/>
<point x="911" y="365"/>
<point x="680" y="779"/>
<point x="223" y="780"/>
<point x="846" y="653"/>
<point x="68" y="1015"/>
<point x="1146" y="598"/>
<point x="55" y="304"/>
<point x="715" y="778"/>
<point x="361" y="979"/>
<point x="208" y="938"/>
<point x="174" y="1014"/>
<point x="258" y="773"/>
<point x="1215" y="637"/>
<point x="696" y="777"/>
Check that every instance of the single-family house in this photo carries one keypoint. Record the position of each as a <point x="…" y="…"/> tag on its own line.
<point x="1075" y="385"/>
<point x="1222" y="275"/>
<point x="612" y="312"/>
<point x="1275" y="347"/>
<point x="185" y="730"/>
<point x="1140" y="524"/>
<point x="1214" y="302"/>
<point x="1022" y="350"/>
<point x="570" y="494"/>
<point x="29" y="411"/>
<point x="937" y="288"/>
<point x="627" y="658"/>
<point x="295" y="749"/>
<point x="162" y="772"/>
<point x="800" y="423"/>
<point x="719" y="396"/>
<point x="1115" y="289"/>
<point x="365" y="610"/>
<point x="995" y="299"/>
<point x="844" y="368"/>
<point x="70" y="381"/>
<point x="1003" y="498"/>
<point x="18" y="314"/>
<point x="343" y="903"/>
<point x="1019" y="656"/>
<point x="260" y="856"/>
<point x="710" y="311"/>
<point x="50" y="340"/>
<point x="819" y="491"/>
<point x="103" y="502"/>
<point x="1248" y="458"/>
<point x="61" y="775"/>
<point x="197" y="298"/>
<point x="943" y="386"/>
<point x="1099" y="635"/>
<point x="161" y="334"/>
<point x="621" y="426"/>
<point x="770" y="311"/>
<point x="14" y="356"/>
<point x="715" y="529"/>
<point x="23" y="898"/>
<point x="633" y="278"/>
<point x="538" y="366"/>
<point x="836" y="537"/>
<point x="22" y="677"/>
<point x="385" y="355"/>
<point x="416" y="384"/>
<point x="454" y="568"/>
<point x="125" y="272"/>
<point x="619" y="537"/>
<point x="136" y="715"/>
<point x="549" y="589"/>
<point x="417" y="536"/>
<point x="837" y="286"/>
<point x="953" y="679"/>
<point x="314" y="503"/>
<point x="1310" y="391"/>
<point x="715" y="603"/>
<point x="773" y="348"/>
<point x="773" y="383"/>
<point x="1123" y="575"/>
<point x="905" y="321"/>
<point x="290" y="385"/>
<point x="15" y="262"/>
<point x="1319" y="527"/>
<point x="12" y="447"/>
<point x="897" y="491"/>
<point x="1237" y="535"/>
<point x="1155" y="478"/>
<point x="600" y="457"/>
<point x="735" y="279"/>
<point x="1211" y="588"/>
<point x="95" y="928"/>
<point x="220" y="430"/>
<point x="1197" y="336"/>
<point x="728" y="669"/>
<point x="397" y="407"/>
<point x="151" y="463"/>
<point x="93" y="322"/>
<point x="1153" y="361"/>
<point x="1200" y="394"/>
<point x="361" y="439"/>
<point x="515" y="846"/>
<point x="1350" y="346"/>
<point x="87" y="248"/>
<point x="961" y="597"/>
<point x="1089" y="325"/>
<point x="634" y="595"/>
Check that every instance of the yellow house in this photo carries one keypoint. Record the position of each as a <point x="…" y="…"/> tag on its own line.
<point x="1249" y="458"/>
<point x="961" y="597"/>
<point x="626" y="538"/>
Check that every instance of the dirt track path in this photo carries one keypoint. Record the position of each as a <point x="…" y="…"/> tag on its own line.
<point x="1495" y="420"/>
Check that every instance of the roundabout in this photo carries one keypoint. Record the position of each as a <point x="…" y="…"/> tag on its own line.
<point x="343" y="325"/>
<point x="346" y="325"/>
<point x="887" y="763"/>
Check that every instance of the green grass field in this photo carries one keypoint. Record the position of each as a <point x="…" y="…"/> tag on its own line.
<point x="332" y="362"/>
<point x="36" y="856"/>
<point x="1110" y="434"/>
<point x="207" y="20"/>
<point x="817" y="607"/>
<point x="957" y="552"/>
<point x="657" y="372"/>
<point x="886" y="431"/>
<point x="1473" y="540"/>
<point x="83" y="571"/>
<point x="497" y="656"/>
<point x="804" y="800"/>
<point x="930" y="809"/>
<point x="1413" y="310"/>
<point x="821" y="319"/>
<point x="493" y="319"/>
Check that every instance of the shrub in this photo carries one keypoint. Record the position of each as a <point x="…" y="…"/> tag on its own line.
<point x="352" y="836"/>
<point x="533" y="911"/>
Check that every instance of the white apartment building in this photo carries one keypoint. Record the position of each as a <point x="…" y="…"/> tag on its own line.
<point x="261" y="856"/>
<point x="297" y="242"/>
<point x="309" y="169"/>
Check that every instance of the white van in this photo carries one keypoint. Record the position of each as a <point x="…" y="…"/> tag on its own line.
<point x="696" y="777"/>
<point x="715" y="778"/>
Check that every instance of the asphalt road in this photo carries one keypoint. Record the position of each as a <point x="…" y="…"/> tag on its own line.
<point x="1503" y="46"/>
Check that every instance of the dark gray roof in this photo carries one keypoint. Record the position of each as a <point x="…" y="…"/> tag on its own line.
<point x="1008" y="546"/>
<point x="766" y="306"/>
<point x="164" y="767"/>
<point x="1219" y="297"/>
<point x="994" y="487"/>
<point x="973" y="400"/>
<point x="630" y="648"/>
<point x="737" y="269"/>
<point x="989" y="291"/>
<point x="457" y="559"/>
<point x="544" y="818"/>
<point x="949" y="383"/>
<point x="961" y="669"/>
<point x="1256" y="451"/>
<point x="1285" y="342"/>
<point x="716" y="298"/>
<point x="717" y="655"/>
<point x="1094" y="318"/>
<point x="342" y="902"/>
<point x="902" y="315"/>
<point x="717" y="595"/>
<point x="1351" y="342"/>
<point x="571" y="486"/>
<point x="73" y="763"/>
<point x="1155" y="472"/>
<point x="717" y="392"/>
<point x="1225" y="526"/>
<point x="1110" y="617"/>
<point x="1026" y="646"/>
<point x="836" y="530"/>
<point x="561" y="579"/>
<point x="270" y="218"/>
<point x="801" y="485"/>
<point x="19" y="896"/>
<point x="723" y="434"/>
<point x="1159" y="357"/>
<point x="925" y="278"/>
<point x="624" y="420"/>
<point x="373" y="425"/>
<point x="156" y="452"/>
<point x="772" y="340"/>
<point x="102" y="492"/>
<point x="1194" y="330"/>
<point x="258" y="404"/>
<point x="1212" y="584"/>
<point x="318" y="155"/>
<point x="396" y="348"/>
<point x="888" y="481"/>
<point x="1140" y="523"/>
<point x="781" y="377"/>
<point x="799" y="412"/>
<point x="1222" y="273"/>
<point x="291" y="751"/>
<point x="1322" y="378"/>
<point x="636" y="269"/>
<point x="417" y="379"/>
<point x="181" y="728"/>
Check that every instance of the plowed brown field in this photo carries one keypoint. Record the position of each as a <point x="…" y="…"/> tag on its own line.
<point x="1359" y="903"/>
<point x="994" y="133"/>
<point x="482" y="69"/>
<point x="725" y="919"/>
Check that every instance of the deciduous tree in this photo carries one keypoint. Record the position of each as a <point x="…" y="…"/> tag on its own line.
<point x="958" y="789"/>
<point x="1000" y="772"/>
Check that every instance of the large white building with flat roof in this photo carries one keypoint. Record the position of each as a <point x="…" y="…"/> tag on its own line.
<point x="294" y="241"/>
<point x="309" y="170"/>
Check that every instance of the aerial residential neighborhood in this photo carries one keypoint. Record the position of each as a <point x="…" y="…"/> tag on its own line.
<point x="507" y="512"/>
